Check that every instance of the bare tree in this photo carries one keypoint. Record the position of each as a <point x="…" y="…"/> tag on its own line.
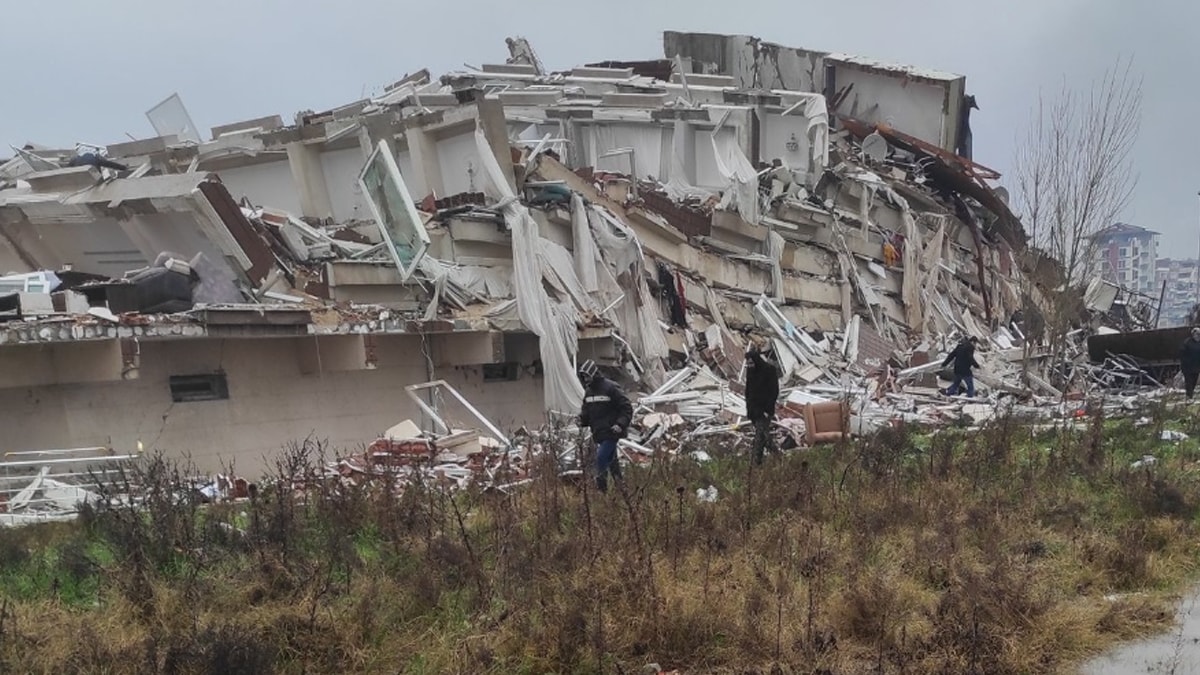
<point x="1074" y="170"/>
<point x="1074" y="166"/>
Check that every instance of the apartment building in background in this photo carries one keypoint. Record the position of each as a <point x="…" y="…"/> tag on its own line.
<point x="1182" y="291"/>
<point x="1128" y="256"/>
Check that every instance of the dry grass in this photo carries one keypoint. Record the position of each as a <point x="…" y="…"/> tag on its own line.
<point x="987" y="552"/>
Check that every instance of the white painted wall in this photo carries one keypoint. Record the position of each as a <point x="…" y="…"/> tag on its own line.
<point x="650" y="143"/>
<point x="707" y="174"/>
<point x="458" y="158"/>
<point x="341" y="168"/>
<point x="405" y="164"/>
<point x="776" y="131"/>
<point x="268" y="184"/>
<point x="270" y="402"/>
<point x="916" y="108"/>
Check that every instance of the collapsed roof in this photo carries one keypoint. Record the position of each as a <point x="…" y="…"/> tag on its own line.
<point x="822" y="194"/>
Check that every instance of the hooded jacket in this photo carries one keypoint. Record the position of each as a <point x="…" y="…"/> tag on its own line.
<point x="762" y="386"/>
<point x="963" y="357"/>
<point x="605" y="405"/>
<point x="1189" y="356"/>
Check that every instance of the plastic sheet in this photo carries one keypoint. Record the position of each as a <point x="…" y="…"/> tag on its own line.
<point x="548" y="320"/>
<point x="737" y="169"/>
<point x="584" y="245"/>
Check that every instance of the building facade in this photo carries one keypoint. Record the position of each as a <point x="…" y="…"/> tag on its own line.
<point x="1128" y="256"/>
<point x="1182" y="290"/>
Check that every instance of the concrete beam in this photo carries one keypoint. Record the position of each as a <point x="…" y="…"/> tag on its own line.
<point x="464" y="230"/>
<point x="332" y="353"/>
<point x="268" y="123"/>
<point x="69" y="179"/>
<point x="460" y="349"/>
<point x="146" y="146"/>
<point x="61" y="363"/>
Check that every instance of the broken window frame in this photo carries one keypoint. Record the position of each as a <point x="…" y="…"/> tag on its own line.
<point x="402" y="229"/>
<point x="413" y="389"/>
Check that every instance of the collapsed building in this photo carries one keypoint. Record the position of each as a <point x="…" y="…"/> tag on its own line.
<point x="489" y="228"/>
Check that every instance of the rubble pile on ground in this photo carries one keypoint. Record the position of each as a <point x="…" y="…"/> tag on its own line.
<point x="656" y="218"/>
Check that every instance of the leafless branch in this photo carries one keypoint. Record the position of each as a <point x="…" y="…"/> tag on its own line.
<point x="1074" y="165"/>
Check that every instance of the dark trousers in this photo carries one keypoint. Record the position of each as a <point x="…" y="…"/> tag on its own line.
<point x="606" y="462"/>
<point x="763" y="440"/>
<point x="1189" y="382"/>
<point x="959" y="381"/>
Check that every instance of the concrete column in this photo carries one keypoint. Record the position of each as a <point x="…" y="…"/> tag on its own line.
<point x="576" y="153"/>
<point x="427" y="169"/>
<point x="495" y="128"/>
<point x="683" y="141"/>
<point x="309" y="178"/>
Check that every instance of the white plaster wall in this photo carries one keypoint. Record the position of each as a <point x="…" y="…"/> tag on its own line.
<point x="270" y="402"/>
<point x="459" y="158"/>
<point x="268" y="184"/>
<point x="777" y="130"/>
<point x="647" y="140"/>
<point x="707" y="174"/>
<point x="341" y="168"/>
<point x="916" y="108"/>
<point x="405" y="164"/>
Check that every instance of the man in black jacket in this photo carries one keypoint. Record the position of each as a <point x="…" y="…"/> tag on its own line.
<point x="608" y="413"/>
<point x="762" y="395"/>
<point x="1189" y="362"/>
<point x="963" y="357"/>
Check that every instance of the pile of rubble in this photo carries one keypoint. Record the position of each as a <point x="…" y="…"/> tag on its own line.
<point x="655" y="217"/>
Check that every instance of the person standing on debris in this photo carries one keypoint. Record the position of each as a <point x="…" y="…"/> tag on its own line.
<point x="762" y="395"/>
<point x="608" y="413"/>
<point x="1189" y="362"/>
<point x="963" y="357"/>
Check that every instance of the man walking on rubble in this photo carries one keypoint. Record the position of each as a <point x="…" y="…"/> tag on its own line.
<point x="963" y="357"/>
<point x="1189" y="362"/>
<point x="608" y="413"/>
<point x="762" y="395"/>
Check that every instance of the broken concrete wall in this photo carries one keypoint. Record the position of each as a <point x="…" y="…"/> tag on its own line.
<point x="341" y="169"/>
<point x="270" y="401"/>
<point x="264" y="184"/>
<point x="752" y="63"/>
<point x="921" y="103"/>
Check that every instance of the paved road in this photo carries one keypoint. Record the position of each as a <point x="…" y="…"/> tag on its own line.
<point x="1175" y="653"/>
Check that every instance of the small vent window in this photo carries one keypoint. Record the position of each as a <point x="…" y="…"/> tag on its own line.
<point x="189" y="388"/>
<point x="501" y="372"/>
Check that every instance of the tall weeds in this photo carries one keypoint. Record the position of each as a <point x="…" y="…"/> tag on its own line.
<point x="955" y="552"/>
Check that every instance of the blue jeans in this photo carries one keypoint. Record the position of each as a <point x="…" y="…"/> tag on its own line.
<point x="957" y="386"/>
<point x="606" y="461"/>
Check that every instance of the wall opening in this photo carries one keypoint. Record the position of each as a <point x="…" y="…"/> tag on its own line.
<point x="501" y="372"/>
<point x="189" y="388"/>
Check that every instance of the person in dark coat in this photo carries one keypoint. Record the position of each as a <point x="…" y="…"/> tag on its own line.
<point x="92" y="159"/>
<point x="963" y="357"/>
<point x="608" y="413"/>
<point x="762" y="395"/>
<point x="1189" y="362"/>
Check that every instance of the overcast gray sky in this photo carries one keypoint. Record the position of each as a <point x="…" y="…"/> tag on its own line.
<point x="87" y="71"/>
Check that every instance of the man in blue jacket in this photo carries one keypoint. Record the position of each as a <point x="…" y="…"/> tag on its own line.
<point x="608" y="413"/>
<point x="963" y="357"/>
